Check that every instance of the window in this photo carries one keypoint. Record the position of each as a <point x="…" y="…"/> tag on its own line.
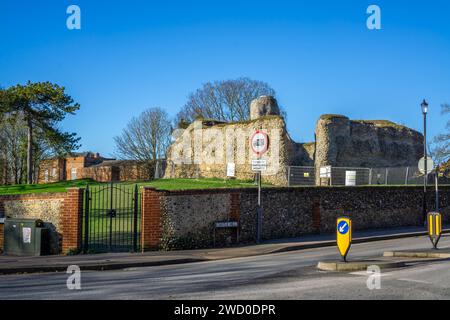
<point x="46" y="175"/>
<point x="73" y="174"/>
<point x="54" y="173"/>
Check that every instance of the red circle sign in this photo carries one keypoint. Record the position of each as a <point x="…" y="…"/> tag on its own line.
<point x="259" y="142"/>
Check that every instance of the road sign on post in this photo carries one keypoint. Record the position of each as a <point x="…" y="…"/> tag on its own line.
<point x="259" y="165"/>
<point x="430" y="165"/>
<point x="434" y="227"/>
<point x="259" y="144"/>
<point x="344" y="236"/>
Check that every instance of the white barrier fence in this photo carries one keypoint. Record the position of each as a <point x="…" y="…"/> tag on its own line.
<point x="354" y="176"/>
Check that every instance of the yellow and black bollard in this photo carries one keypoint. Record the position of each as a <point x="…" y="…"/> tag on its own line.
<point x="434" y="227"/>
<point x="344" y="236"/>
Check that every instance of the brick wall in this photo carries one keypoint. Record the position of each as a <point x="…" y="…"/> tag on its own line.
<point x="134" y="172"/>
<point x="51" y="170"/>
<point x="185" y="219"/>
<point x="101" y="174"/>
<point x="76" y="163"/>
<point x="61" y="213"/>
<point x="25" y="198"/>
<point x="46" y="207"/>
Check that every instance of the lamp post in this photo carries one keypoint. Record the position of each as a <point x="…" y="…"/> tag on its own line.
<point x="424" y="106"/>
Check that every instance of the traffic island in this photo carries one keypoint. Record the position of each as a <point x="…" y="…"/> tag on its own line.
<point x="341" y="266"/>
<point x="423" y="253"/>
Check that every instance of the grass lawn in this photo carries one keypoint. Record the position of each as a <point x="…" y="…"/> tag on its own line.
<point x="163" y="184"/>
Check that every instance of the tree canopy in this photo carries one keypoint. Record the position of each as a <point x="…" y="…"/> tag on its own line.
<point x="41" y="106"/>
<point x="441" y="143"/>
<point x="145" y="138"/>
<point x="227" y="100"/>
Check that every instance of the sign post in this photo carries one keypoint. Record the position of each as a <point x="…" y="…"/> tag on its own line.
<point x="344" y="236"/>
<point x="434" y="227"/>
<point x="259" y="144"/>
<point x="436" y="189"/>
<point x="426" y="167"/>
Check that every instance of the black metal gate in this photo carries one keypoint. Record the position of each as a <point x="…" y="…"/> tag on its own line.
<point x="111" y="221"/>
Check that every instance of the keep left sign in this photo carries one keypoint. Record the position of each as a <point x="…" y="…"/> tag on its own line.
<point x="344" y="236"/>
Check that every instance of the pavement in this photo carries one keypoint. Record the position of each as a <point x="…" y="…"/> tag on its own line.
<point x="286" y="275"/>
<point x="113" y="261"/>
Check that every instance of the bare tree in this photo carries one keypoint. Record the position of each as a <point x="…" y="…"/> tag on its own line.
<point x="223" y="100"/>
<point x="145" y="138"/>
<point x="441" y="143"/>
<point x="13" y="135"/>
<point x="13" y="149"/>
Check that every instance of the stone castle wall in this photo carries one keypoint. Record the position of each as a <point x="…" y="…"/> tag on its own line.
<point x="340" y="142"/>
<point x="205" y="148"/>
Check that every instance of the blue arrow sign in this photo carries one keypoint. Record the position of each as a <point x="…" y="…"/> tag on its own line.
<point x="342" y="227"/>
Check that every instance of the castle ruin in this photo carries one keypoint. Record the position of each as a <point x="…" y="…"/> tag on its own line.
<point x="207" y="147"/>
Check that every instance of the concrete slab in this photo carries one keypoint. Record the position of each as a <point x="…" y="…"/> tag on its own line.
<point x="361" y="265"/>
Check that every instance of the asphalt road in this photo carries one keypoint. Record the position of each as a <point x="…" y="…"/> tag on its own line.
<point x="290" y="275"/>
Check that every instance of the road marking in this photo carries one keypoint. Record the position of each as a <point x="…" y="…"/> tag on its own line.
<point x="413" y="280"/>
<point x="364" y="273"/>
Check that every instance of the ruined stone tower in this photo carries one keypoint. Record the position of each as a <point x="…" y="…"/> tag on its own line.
<point x="264" y="106"/>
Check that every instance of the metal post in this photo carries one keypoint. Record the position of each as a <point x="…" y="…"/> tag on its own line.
<point x="289" y="176"/>
<point x="86" y="220"/>
<point x="135" y="217"/>
<point x="425" y="176"/>
<point x="386" y="176"/>
<point x="111" y="216"/>
<point x="259" y="188"/>
<point x="370" y="176"/>
<point x="407" y="174"/>
<point x="436" y="174"/>
<point x="331" y="176"/>
<point x="259" y="211"/>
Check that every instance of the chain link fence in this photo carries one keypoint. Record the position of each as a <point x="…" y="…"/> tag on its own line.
<point x="301" y="176"/>
<point x="354" y="176"/>
<point x="342" y="176"/>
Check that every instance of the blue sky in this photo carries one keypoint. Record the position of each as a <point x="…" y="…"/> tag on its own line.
<point x="318" y="56"/>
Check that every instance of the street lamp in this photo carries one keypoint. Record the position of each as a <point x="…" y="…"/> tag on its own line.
<point x="424" y="106"/>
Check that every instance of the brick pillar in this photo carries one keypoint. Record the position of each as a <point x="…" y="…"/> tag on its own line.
<point x="235" y="212"/>
<point x="71" y="220"/>
<point x="316" y="216"/>
<point x="151" y="228"/>
<point x="235" y="207"/>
